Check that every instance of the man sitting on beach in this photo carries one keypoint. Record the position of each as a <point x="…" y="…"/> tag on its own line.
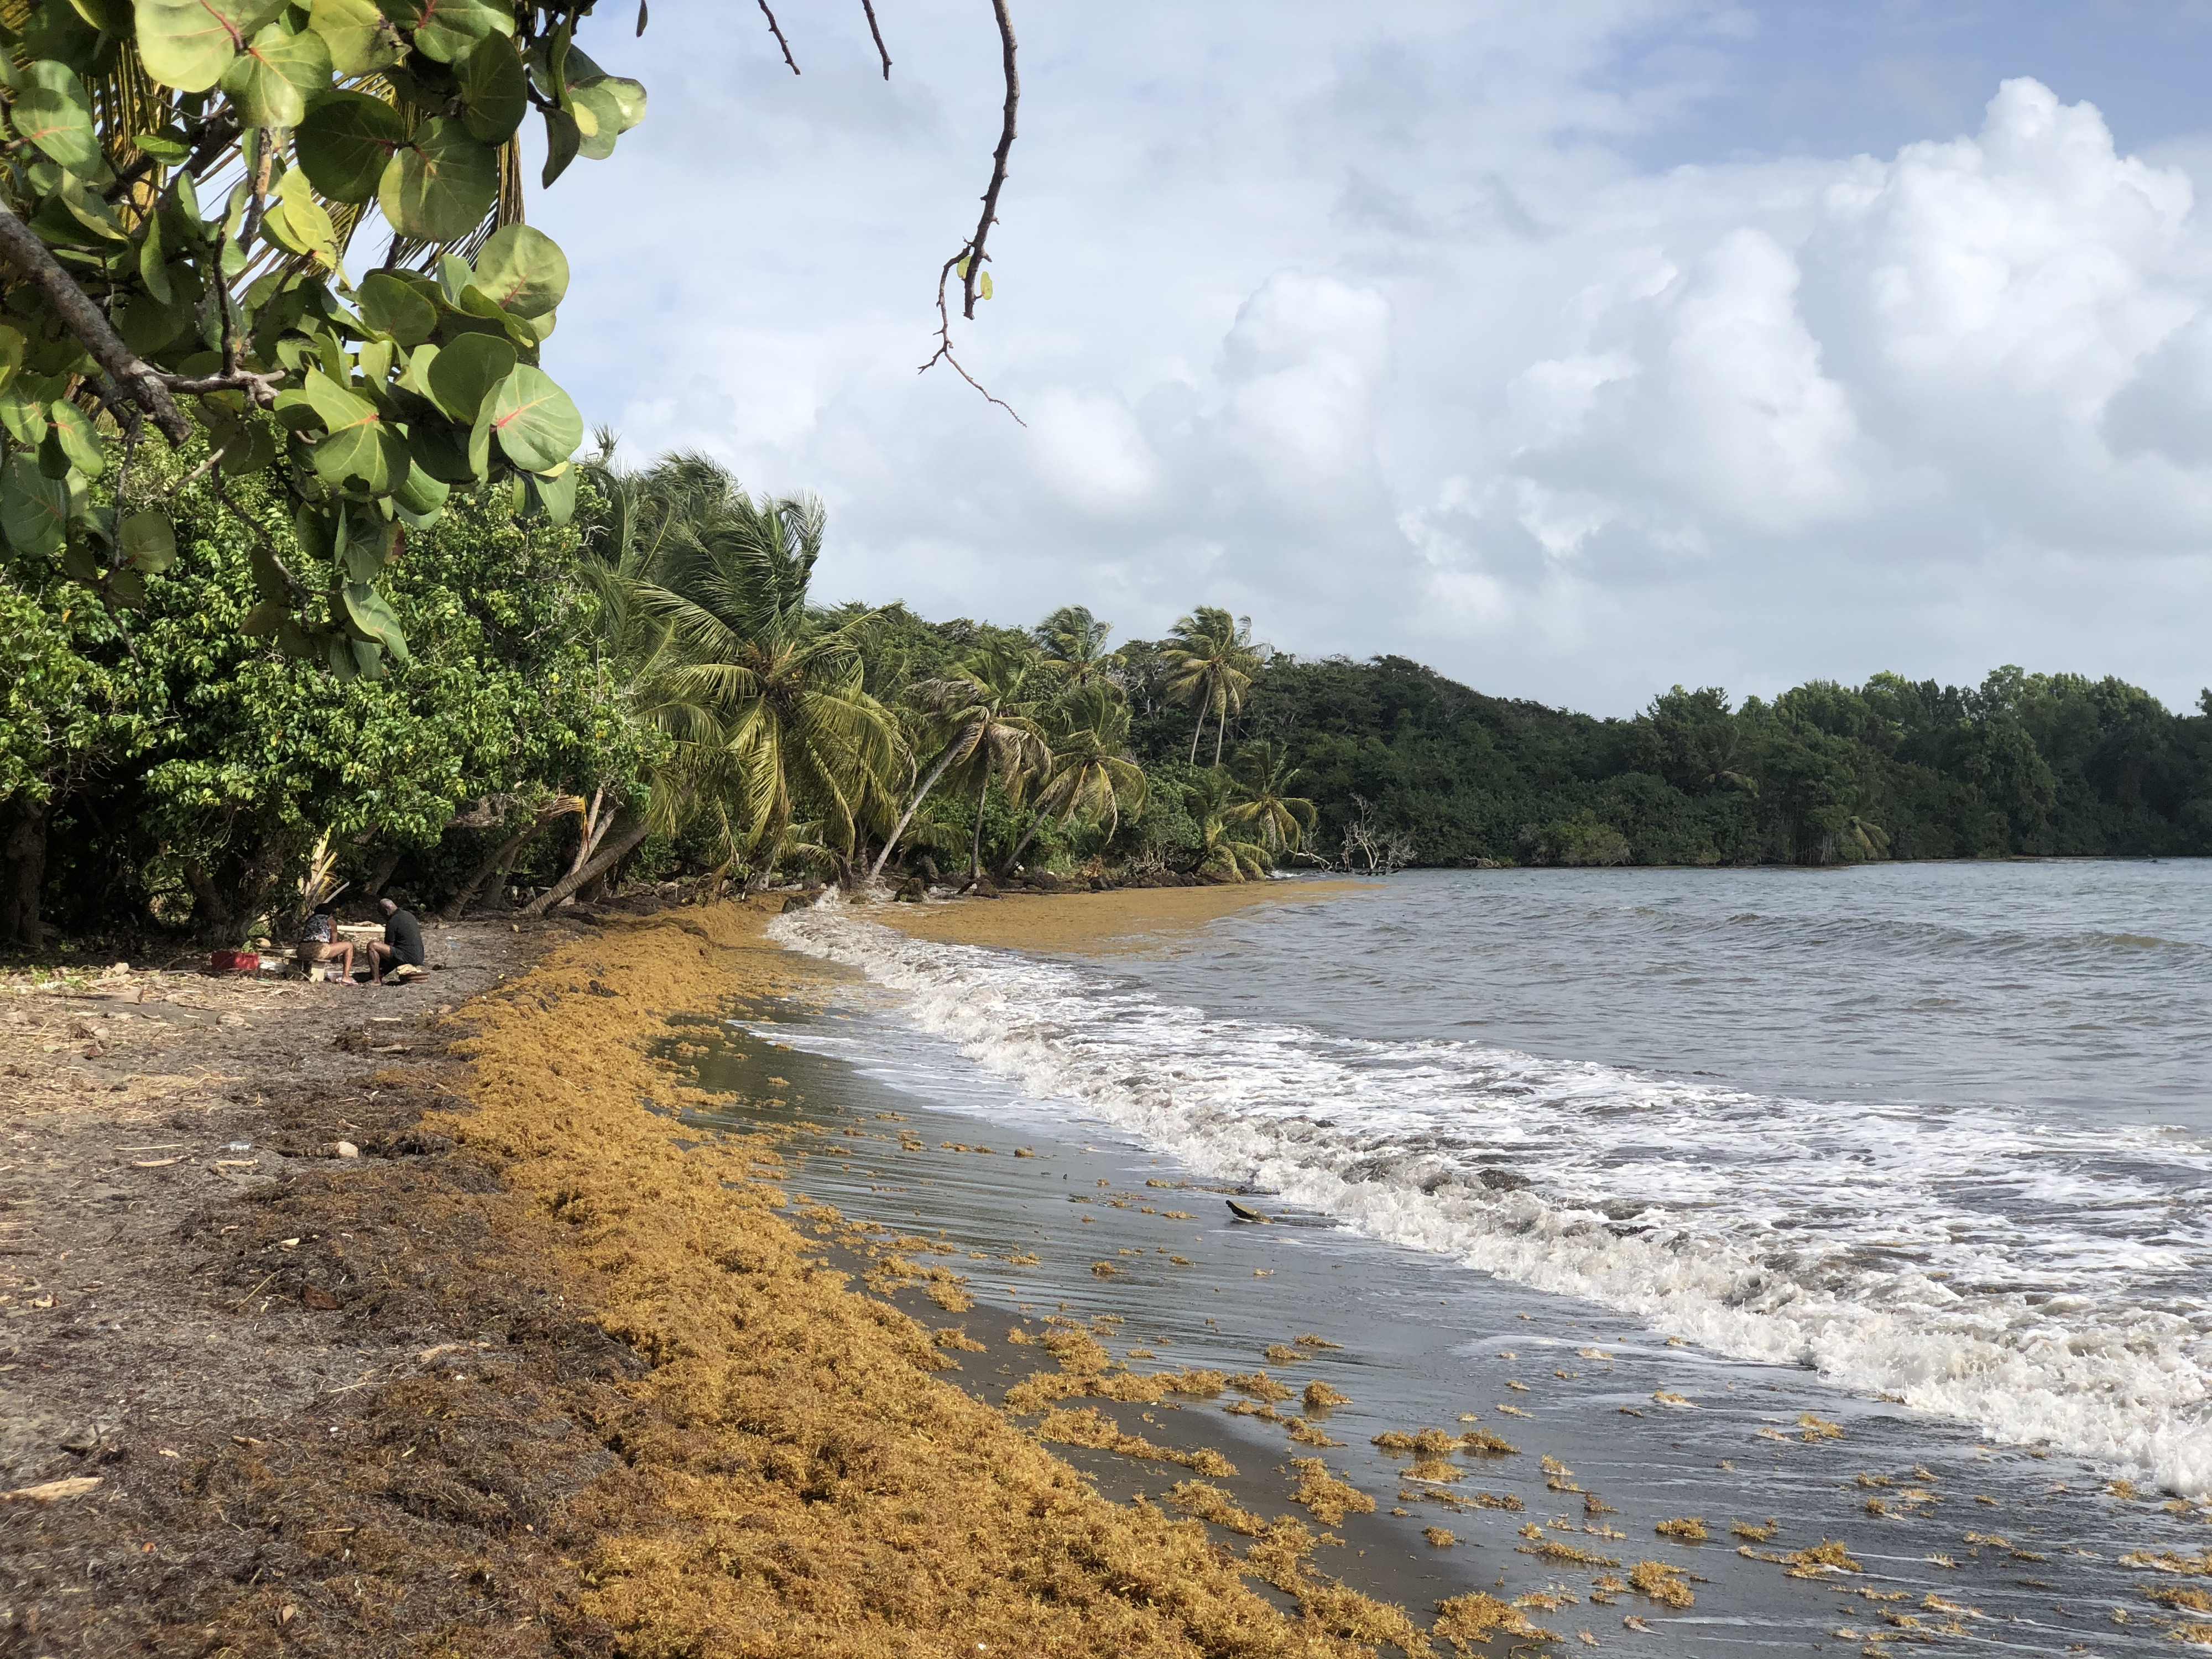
<point x="402" y="944"/>
<point x="319" y="944"/>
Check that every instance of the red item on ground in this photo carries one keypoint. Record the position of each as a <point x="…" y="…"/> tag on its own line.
<point x="236" y="961"/>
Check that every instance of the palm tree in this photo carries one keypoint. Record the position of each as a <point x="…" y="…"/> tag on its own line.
<point x="1264" y="779"/>
<point x="1089" y="771"/>
<point x="1222" y="853"/>
<point x="767" y="694"/>
<point x="1074" y="643"/>
<point x="1211" y="660"/>
<point x="986" y="711"/>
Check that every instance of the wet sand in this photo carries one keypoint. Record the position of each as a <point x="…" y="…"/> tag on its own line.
<point x="1617" y="1432"/>
<point x="1125" y="919"/>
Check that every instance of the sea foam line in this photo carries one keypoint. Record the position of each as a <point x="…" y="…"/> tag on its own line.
<point x="1976" y="1265"/>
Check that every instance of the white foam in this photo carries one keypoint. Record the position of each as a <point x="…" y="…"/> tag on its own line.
<point x="2047" y="1284"/>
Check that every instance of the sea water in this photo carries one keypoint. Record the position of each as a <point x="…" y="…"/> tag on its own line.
<point x="1936" y="1133"/>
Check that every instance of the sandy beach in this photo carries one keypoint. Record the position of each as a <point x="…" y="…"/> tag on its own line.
<point x="647" y="1325"/>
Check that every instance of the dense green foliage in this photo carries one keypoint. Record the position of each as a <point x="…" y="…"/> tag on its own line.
<point x="651" y="691"/>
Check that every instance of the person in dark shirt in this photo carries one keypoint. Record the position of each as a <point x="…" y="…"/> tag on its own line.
<point x="402" y="944"/>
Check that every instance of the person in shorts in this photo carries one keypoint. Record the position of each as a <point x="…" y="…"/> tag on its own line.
<point x="402" y="944"/>
<point x="319" y="944"/>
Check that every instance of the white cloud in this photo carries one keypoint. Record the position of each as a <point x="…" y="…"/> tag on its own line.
<point x="1371" y="326"/>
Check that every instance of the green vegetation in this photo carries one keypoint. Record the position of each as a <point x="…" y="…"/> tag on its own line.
<point x="650" y="692"/>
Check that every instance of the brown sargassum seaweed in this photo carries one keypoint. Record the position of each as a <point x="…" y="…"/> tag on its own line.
<point x="794" y="1477"/>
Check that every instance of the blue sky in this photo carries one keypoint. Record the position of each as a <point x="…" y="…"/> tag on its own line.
<point x="1577" y="351"/>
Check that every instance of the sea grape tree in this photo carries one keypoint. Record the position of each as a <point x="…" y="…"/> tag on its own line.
<point x="183" y="186"/>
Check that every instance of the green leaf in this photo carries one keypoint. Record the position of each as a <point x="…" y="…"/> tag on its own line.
<point x="346" y="142"/>
<point x="392" y="306"/>
<point x="367" y="658"/>
<point x="269" y="80"/>
<point x="444" y="451"/>
<point x="24" y="416"/>
<point x="315" y="531"/>
<point x="561" y="142"/>
<point x="80" y="442"/>
<point x="557" y="495"/>
<point x="262" y="620"/>
<point x="163" y="147"/>
<point x="361" y="38"/>
<point x="628" y="95"/>
<point x="34" y="509"/>
<point x="294" y="639"/>
<point x="536" y="425"/>
<point x="495" y="90"/>
<point x="152" y="269"/>
<point x="466" y="373"/>
<point x="148" y="541"/>
<point x="365" y="552"/>
<point x="268" y="580"/>
<point x="421" y="494"/>
<point x="111" y="17"/>
<point x="126" y="587"/>
<point x="370" y="615"/>
<point x="297" y="222"/>
<point x="448" y="30"/>
<point x="188" y="44"/>
<point x="523" y="270"/>
<point x="358" y="444"/>
<point x="11" y="354"/>
<point x="439" y="188"/>
<point x="983" y="285"/>
<point x="53" y="111"/>
<point x="599" y="121"/>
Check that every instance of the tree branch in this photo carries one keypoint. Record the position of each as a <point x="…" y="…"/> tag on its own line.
<point x="133" y="376"/>
<point x="776" y="29"/>
<point x="869" y="6"/>
<point x="969" y="260"/>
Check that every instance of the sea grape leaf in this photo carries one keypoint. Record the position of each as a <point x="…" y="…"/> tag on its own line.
<point x="495" y="90"/>
<point x="188" y="44"/>
<point x="346" y="142"/>
<point x="359" y="36"/>
<point x="445" y="451"/>
<point x="11" y="354"/>
<point x="467" y="371"/>
<point x="562" y="140"/>
<point x="523" y="270"/>
<point x="628" y="95"/>
<point x="390" y="305"/>
<point x="448" y="30"/>
<point x="298" y="223"/>
<point x="421" y="494"/>
<point x="599" y="121"/>
<point x="53" y="111"/>
<point x="269" y="79"/>
<point x="370" y="613"/>
<point x="80" y="442"/>
<point x="536" y="424"/>
<point x="34" y="508"/>
<point x="439" y="187"/>
<point x="149" y="540"/>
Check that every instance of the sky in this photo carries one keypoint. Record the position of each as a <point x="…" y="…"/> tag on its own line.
<point x="1577" y="351"/>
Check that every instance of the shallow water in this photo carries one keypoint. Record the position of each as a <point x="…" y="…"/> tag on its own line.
<point x="1940" y="1132"/>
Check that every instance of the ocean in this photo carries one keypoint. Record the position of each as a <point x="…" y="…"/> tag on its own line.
<point x="1925" y="1150"/>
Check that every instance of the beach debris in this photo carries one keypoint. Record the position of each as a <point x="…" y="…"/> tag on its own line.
<point x="47" y="1492"/>
<point x="1514" y="1411"/>
<point x="1104" y="1270"/>
<point x="1329" y="1497"/>
<point x="1310" y="1434"/>
<point x="1636" y="1624"/>
<point x="1690" y="1528"/>
<point x="1495" y="1500"/>
<point x="1210" y="1502"/>
<point x="1668" y="1397"/>
<point x="1259" y="1385"/>
<point x="1441" y="1537"/>
<point x="1595" y="1505"/>
<point x="1091" y="1427"/>
<point x="1663" y="1581"/>
<point x="1310" y="1340"/>
<point x="1469" y="1621"/>
<point x="1817" y="1428"/>
<point x="1245" y="1214"/>
<point x="955" y="1337"/>
<point x="1586" y="1639"/>
<point x="1757" y="1534"/>
<point x="1280" y="1353"/>
<point x="1263" y="1272"/>
<point x="1552" y="1549"/>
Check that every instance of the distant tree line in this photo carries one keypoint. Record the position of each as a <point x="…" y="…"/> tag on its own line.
<point x="650" y="693"/>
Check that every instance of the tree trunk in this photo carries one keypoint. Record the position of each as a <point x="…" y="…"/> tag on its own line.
<point x="373" y="888"/>
<point x="502" y="858"/>
<point x="1197" y="732"/>
<point x="975" y="851"/>
<point x="606" y="858"/>
<point x="1220" y="720"/>
<point x="915" y="806"/>
<point x="24" y="873"/>
<point x="225" y="909"/>
<point x="1036" y="823"/>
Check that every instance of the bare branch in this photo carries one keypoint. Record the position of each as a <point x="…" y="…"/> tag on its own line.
<point x="969" y="261"/>
<point x="776" y="29"/>
<point x="133" y="376"/>
<point x="973" y="251"/>
<point x="869" y="6"/>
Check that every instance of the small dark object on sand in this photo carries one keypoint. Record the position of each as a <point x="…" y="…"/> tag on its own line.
<point x="1244" y="1214"/>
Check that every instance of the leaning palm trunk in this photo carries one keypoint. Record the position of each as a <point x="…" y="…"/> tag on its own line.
<point x="975" y="850"/>
<point x="1197" y="732"/>
<point x="607" y="858"/>
<point x="944" y="761"/>
<point x="1036" y="823"/>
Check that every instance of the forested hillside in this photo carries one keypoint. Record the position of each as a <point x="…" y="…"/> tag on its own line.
<point x="650" y="692"/>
